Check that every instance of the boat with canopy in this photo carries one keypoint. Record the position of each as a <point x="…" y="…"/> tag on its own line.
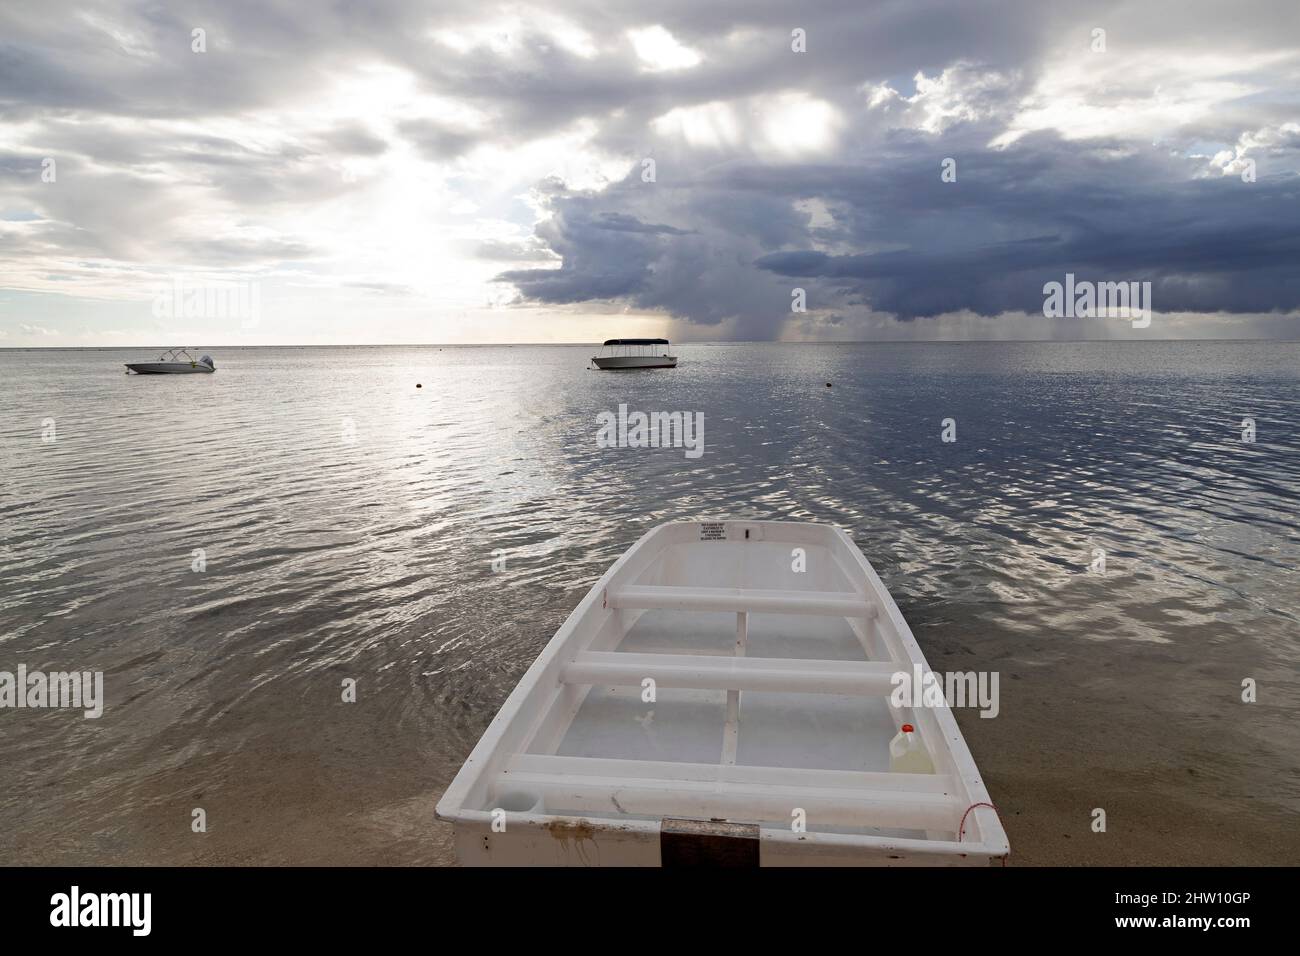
<point x="174" y="362"/>
<point x="619" y="354"/>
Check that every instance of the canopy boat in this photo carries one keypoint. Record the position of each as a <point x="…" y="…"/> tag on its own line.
<point x="723" y="696"/>
<point x="634" y="353"/>
<point x="172" y="362"/>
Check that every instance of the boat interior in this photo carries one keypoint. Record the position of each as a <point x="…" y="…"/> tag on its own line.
<point x="736" y="671"/>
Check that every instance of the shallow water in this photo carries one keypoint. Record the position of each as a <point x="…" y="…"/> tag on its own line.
<point x="350" y="520"/>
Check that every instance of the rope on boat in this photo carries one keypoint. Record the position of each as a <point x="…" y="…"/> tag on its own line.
<point x="961" y="829"/>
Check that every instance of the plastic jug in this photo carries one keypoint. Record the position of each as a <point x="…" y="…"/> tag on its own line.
<point x="907" y="754"/>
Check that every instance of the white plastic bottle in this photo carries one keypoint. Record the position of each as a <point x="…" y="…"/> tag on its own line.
<point x="907" y="754"/>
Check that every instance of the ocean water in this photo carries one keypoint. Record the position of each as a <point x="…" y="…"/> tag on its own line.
<point x="349" y="521"/>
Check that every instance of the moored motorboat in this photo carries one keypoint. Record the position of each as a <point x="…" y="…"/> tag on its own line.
<point x="724" y="694"/>
<point x="174" y="362"/>
<point x="622" y="354"/>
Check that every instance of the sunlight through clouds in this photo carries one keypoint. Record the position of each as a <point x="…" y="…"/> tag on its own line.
<point x="659" y="49"/>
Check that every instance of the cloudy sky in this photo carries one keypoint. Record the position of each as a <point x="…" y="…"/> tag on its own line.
<point x="397" y="171"/>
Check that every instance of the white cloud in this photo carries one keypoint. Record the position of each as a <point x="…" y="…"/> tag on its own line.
<point x="660" y="50"/>
<point x="961" y="93"/>
<point x="1232" y="162"/>
<point x="881" y="94"/>
<point x="1144" y="94"/>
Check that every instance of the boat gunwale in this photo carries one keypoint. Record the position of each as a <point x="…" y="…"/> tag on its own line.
<point x="487" y="744"/>
<point x="550" y="822"/>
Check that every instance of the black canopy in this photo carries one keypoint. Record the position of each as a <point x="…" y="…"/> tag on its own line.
<point x="636" y="341"/>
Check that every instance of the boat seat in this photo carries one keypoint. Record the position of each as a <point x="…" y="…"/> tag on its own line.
<point x="831" y="798"/>
<point x="703" y="672"/>
<point x="832" y="603"/>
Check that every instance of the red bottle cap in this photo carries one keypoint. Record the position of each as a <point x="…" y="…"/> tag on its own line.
<point x="908" y="728"/>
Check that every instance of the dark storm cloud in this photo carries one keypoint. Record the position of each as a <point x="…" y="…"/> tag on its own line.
<point x="1207" y="244"/>
<point x="622" y="222"/>
<point x="704" y="274"/>
<point x="614" y="265"/>
<point x="905" y="243"/>
<point x="988" y="243"/>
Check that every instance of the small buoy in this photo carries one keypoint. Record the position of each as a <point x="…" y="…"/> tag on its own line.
<point x="418" y="385"/>
<point x="828" y="384"/>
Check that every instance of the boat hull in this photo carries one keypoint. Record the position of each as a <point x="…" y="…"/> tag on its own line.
<point x="168" y="368"/>
<point x="616" y="363"/>
<point x="721" y="682"/>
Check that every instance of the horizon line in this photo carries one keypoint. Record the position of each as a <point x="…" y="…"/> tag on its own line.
<point x="453" y="345"/>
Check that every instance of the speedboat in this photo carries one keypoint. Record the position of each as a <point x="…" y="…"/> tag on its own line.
<point x="634" y="353"/>
<point x="724" y="696"/>
<point x="174" y="362"/>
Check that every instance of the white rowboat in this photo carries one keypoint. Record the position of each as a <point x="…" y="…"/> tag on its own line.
<point x="705" y="696"/>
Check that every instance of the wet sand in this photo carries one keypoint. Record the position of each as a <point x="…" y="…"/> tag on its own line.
<point x="1165" y="746"/>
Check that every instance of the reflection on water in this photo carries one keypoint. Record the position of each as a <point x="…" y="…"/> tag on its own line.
<point x="349" y="521"/>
